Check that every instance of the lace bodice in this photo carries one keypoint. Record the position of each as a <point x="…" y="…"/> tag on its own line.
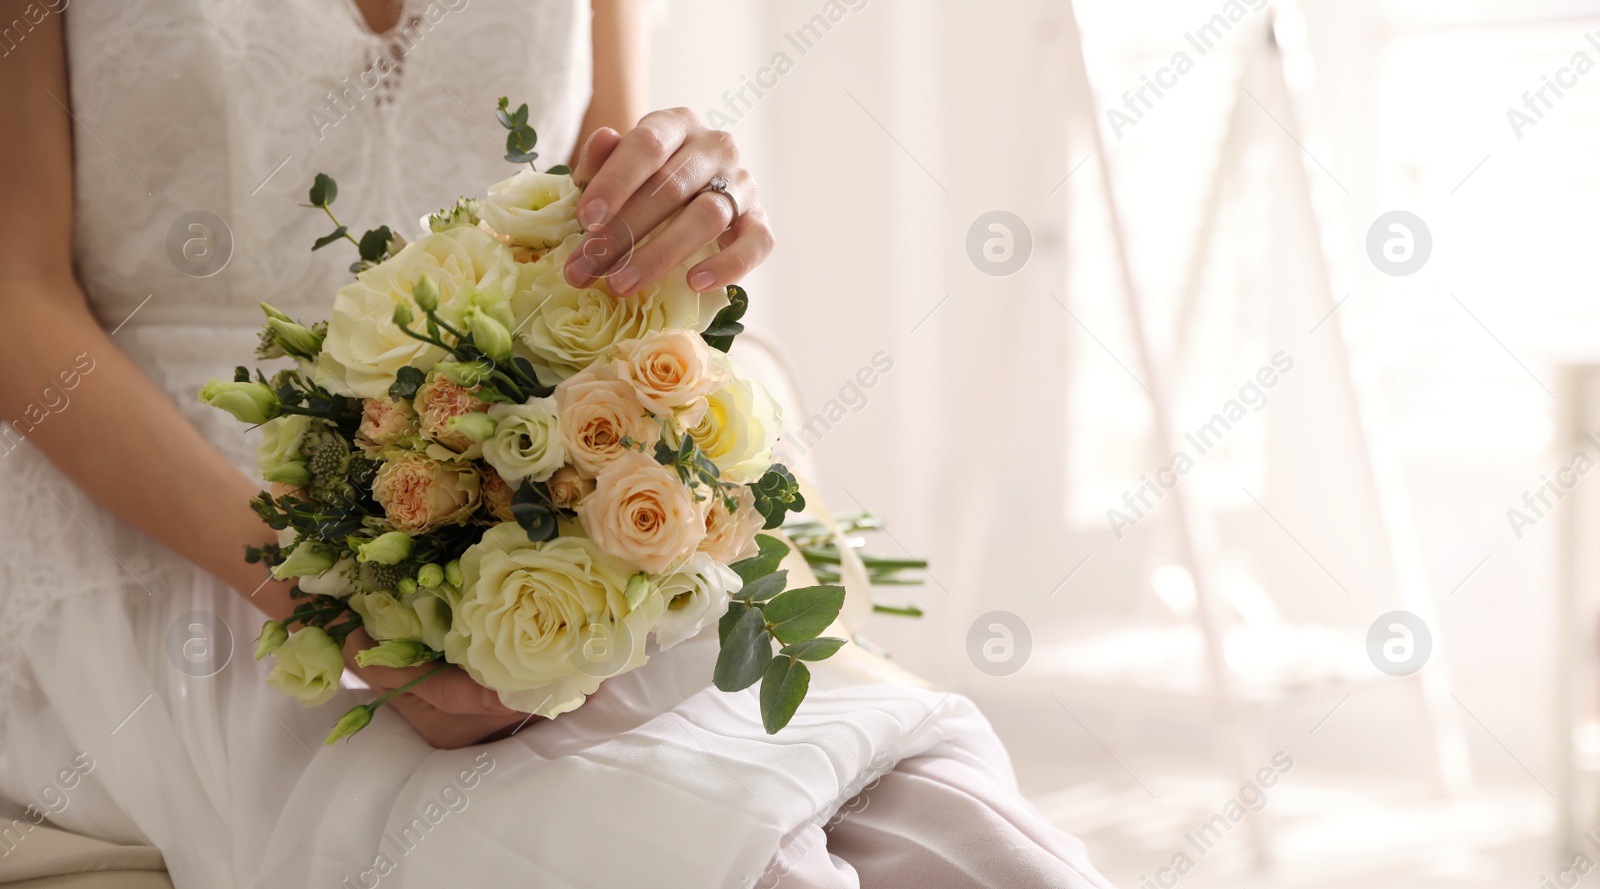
<point x="229" y="107"/>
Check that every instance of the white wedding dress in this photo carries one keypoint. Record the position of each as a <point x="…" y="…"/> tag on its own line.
<point x="117" y="652"/>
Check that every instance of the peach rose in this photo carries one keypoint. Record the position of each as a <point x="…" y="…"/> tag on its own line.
<point x="595" y="415"/>
<point x="438" y="402"/>
<point x="567" y="487"/>
<point x="641" y="513"/>
<point x="671" y="373"/>
<point x="385" y="422"/>
<point x="496" y="495"/>
<point x="419" y="494"/>
<point x="731" y="536"/>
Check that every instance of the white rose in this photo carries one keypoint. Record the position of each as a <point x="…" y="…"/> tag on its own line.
<point x="695" y="596"/>
<point x="740" y="426"/>
<point x="307" y="667"/>
<point x="642" y="513"/>
<point x="384" y="617"/>
<point x="564" y="329"/>
<point x="532" y="615"/>
<point x="527" y="441"/>
<point x="364" y="349"/>
<point x="534" y="210"/>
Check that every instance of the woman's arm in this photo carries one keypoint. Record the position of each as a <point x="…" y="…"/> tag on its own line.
<point x="621" y="68"/>
<point x="121" y="439"/>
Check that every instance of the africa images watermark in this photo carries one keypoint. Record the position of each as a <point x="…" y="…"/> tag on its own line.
<point x="1537" y="503"/>
<point x="1537" y="101"/>
<point x="397" y="45"/>
<point x="737" y="103"/>
<point x="1250" y="799"/>
<point x="33" y="15"/>
<point x="1251" y="398"/>
<point x="51" y="799"/>
<point x="1204" y="39"/>
<point x="852" y="398"/>
<point x="452" y="799"/>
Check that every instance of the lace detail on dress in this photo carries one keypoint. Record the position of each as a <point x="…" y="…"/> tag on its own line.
<point x="230" y="107"/>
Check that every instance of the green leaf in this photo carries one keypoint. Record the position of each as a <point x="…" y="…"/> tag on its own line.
<point x="745" y="653"/>
<point x="725" y="326"/>
<point x="537" y="519"/>
<point x="783" y="686"/>
<point x="519" y="143"/>
<point x="327" y="239"/>
<point x="777" y="492"/>
<point x="407" y="381"/>
<point x="817" y="649"/>
<point x="730" y="619"/>
<point x="773" y="551"/>
<point x="375" y="243"/>
<point x="764" y="588"/>
<point x="803" y="613"/>
<point x="560" y="170"/>
<point x="323" y="190"/>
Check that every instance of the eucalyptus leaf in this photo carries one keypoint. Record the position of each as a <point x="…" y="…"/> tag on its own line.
<point x="783" y="686"/>
<point x="327" y="239"/>
<point x="537" y="519"/>
<point x="375" y="243"/>
<point x="773" y="551"/>
<point x="803" y="613"/>
<point x="725" y="326"/>
<point x="745" y="653"/>
<point x="406" y="383"/>
<point x="764" y="588"/>
<point x="323" y="190"/>
<point x="559" y="170"/>
<point x="820" y="648"/>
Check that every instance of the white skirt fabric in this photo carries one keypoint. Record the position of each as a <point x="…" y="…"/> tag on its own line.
<point x="132" y="669"/>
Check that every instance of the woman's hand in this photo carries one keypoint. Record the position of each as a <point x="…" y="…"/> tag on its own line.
<point x="450" y="711"/>
<point x="632" y="183"/>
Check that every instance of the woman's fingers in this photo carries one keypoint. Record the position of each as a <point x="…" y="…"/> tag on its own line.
<point x="592" y="156"/>
<point x="640" y="153"/>
<point x="452" y="691"/>
<point x="705" y="218"/>
<point x="744" y="247"/>
<point x="448" y="731"/>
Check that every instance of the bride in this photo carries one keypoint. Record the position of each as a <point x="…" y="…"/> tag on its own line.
<point x="155" y="157"/>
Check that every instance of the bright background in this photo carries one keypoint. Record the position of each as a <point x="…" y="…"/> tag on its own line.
<point x="1016" y="414"/>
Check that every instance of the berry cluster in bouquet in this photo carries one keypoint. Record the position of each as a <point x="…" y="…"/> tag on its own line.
<point x="482" y="465"/>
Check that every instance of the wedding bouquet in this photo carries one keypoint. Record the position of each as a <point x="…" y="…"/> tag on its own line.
<point x="482" y="465"/>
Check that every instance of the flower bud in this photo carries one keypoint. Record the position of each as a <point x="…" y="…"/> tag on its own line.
<point x="307" y="560"/>
<point x="475" y="425"/>
<point x="253" y="403"/>
<point x="385" y="549"/>
<point x="402" y="315"/>
<point x="354" y="721"/>
<point x="407" y="586"/>
<point x="430" y="576"/>
<point x="396" y="653"/>
<point x="425" y="294"/>
<point x="452" y="572"/>
<point x="296" y="339"/>
<point x="489" y="335"/>
<point x="466" y="374"/>
<point x="273" y="635"/>
<point x="295" y="473"/>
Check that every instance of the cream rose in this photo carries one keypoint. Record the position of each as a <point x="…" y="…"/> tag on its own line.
<point x="438" y="402"/>
<point x="419" y="494"/>
<point x="364" y="349"/>
<point x="307" y="667"/>
<point x="595" y="415"/>
<point x="533" y="210"/>
<point x="565" y="329"/>
<point x="671" y="372"/>
<point x="567" y="487"/>
<point x="740" y="426"/>
<point x="695" y="596"/>
<point x="731" y="536"/>
<point x="544" y="623"/>
<point x="642" y="513"/>
<point x="385" y="422"/>
<point x="527" y="441"/>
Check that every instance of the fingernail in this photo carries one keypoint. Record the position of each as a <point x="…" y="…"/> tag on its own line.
<point x="580" y="271"/>
<point x="625" y="280"/>
<point x="700" y="281"/>
<point x="592" y="214"/>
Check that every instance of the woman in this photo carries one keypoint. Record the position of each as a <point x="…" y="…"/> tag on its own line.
<point x="153" y="181"/>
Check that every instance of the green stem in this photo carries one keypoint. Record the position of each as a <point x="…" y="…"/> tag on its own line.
<point x="903" y="611"/>
<point x="337" y="224"/>
<point x="384" y="698"/>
